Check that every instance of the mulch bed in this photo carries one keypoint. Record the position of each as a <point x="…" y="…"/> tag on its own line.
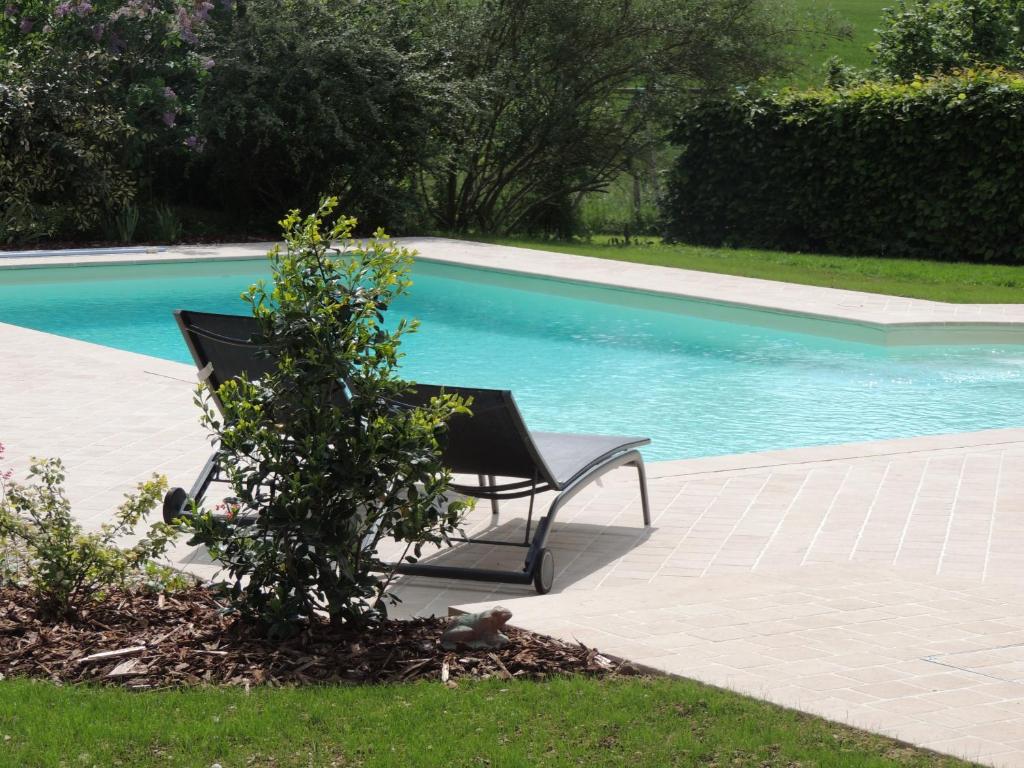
<point x="145" y="642"/>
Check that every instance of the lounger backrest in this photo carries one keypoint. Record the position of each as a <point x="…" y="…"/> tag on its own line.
<point x="224" y="347"/>
<point x="493" y="441"/>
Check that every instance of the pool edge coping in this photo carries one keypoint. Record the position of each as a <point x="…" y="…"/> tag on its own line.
<point x="634" y="278"/>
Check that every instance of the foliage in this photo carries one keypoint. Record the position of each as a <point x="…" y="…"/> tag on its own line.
<point x="126" y="222"/>
<point x="626" y="209"/>
<point x="166" y="226"/>
<point x="56" y="148"/>
<point x="66" y="567"/>
<point x="924" y="37"/>
<point x="885" y="169"/>
<point x="318" y="451"/>
<point x="93" y="95"/>
<point x="563" y="93"/>
<point x="308" y="96"/>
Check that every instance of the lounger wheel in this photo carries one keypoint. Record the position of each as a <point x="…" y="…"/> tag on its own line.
<point x="174" y="504"/>
<point x="544" y="574"/>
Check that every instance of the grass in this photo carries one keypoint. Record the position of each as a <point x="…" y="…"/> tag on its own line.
<point x="959" y="283"/>
<point x="568" y="722"/>
<point x="864" y="17"/>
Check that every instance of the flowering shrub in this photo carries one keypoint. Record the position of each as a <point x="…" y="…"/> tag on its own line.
<point x="93" y="93"/>
<point x="66" y="568"/>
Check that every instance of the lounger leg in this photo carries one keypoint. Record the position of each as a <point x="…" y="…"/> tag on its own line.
<point x="494" y="502"/>
<point x="488" y="482"/>
<point x="176" y="501"/>
<point x="644" y="502"/>
<point x="205" y="478"/>
<point x="632" y="459"/>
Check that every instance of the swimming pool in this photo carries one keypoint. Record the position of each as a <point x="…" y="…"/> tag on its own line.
<point x="584" y="358"/>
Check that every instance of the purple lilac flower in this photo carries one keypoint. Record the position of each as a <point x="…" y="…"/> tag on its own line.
<point x="26" y="26"/>
<point x="185" y="26"/>
<point x="203" y="11"/>
<point x="83" y="8"/>
<point x="208" y="64"/>
<point x="62" y="10"/>
<point x="169" y="93"/>
<point x="169" y="118"/>
<point x="11" y="11"/>
<point x="195" y="143"/>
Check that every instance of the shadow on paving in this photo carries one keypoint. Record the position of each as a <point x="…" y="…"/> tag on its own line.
<point x="580" y="550"/>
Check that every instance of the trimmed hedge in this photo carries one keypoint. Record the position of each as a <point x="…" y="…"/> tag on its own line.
<point x="933" y="168"/>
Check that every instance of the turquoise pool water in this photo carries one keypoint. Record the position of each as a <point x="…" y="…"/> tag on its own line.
<point x="584" y="359"/>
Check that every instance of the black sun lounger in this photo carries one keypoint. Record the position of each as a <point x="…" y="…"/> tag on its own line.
<point x="223" y="347"/>
<point x="493" y="443"/>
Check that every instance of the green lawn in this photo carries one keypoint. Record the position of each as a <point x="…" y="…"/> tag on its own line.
<point x="863" y="15"/>
<point x="569" y="722"/>
<point x="940" y="281"/>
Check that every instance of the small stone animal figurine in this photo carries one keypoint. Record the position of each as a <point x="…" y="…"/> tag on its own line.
<point x="477" y="630"/>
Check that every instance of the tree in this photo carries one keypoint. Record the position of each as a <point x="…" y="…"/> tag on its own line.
<point x="93" y="95"/>
<point x="565" y="92"/>
<point x="308" y="96"/>
<point x="925" y="37"/>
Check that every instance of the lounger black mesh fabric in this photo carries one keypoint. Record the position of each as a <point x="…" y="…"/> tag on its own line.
<point x="492" y="444"/>
<point x="224" y="346"/>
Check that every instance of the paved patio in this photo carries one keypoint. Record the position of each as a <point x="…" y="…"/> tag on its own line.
<point x="877" y="584"/>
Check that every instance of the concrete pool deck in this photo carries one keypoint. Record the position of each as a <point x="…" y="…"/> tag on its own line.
<point x="877" y="584"/>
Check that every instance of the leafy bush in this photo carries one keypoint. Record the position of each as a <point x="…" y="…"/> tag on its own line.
<point x="322" y="463"/>
<point x="924" y="37"/>
<point x="60" y="165"/>
<point x="166" y="226"/>
<point x="93" y="96"/>
<point x="926" y="169"/>
<point x="67" y="568"/>
<point x="308" y="96"/>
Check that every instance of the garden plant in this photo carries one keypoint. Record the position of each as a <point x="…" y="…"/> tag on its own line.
<point x="61" y="566"/>
<point x="323" y="462"/>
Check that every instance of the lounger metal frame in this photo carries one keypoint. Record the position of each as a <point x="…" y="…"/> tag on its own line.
<point x="538" y="566"/>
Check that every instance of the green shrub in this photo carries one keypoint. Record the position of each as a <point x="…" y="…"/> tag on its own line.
<point x="165" y="225"/>
<point x="60" y="157"/>
<point x="317" y="452"/>
<point x="125" y="223"/>
<point x="926" y="169"/>
<point x="308" y="96"/>
<point x="94" y="96"/>
<point x="925" y="37"/>
<point x="67" y="568"/>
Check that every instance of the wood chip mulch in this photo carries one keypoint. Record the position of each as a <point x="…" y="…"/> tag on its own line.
<point x="146" y="642"/>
